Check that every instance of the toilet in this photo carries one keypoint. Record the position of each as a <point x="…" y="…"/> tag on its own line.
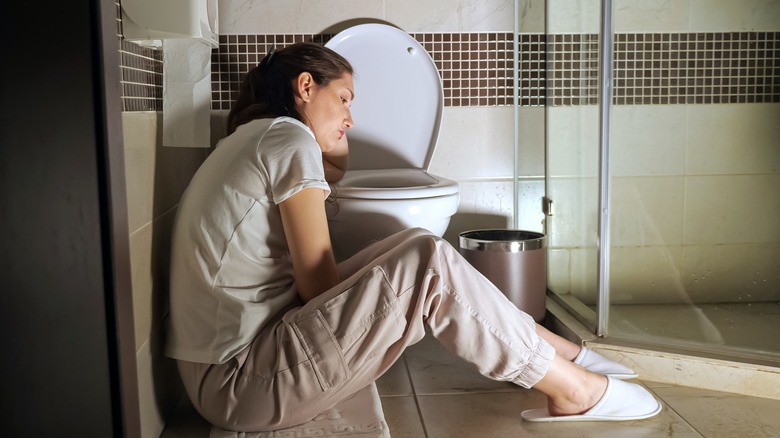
<point x="397" y="114"/>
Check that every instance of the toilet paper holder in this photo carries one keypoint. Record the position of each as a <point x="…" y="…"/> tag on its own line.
<point x="147" y="22"/>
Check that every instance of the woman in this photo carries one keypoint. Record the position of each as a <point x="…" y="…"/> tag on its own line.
<point x="268" y="331"/>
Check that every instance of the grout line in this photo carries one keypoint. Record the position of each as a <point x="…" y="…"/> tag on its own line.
<point x="414" y="396"/>
<point x="669" y="407"/>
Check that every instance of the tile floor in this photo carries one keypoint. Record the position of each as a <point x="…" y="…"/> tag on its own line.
<point x="432" y="394"/>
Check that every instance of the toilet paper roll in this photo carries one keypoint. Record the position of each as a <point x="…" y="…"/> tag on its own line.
<point x="186" y="92"/>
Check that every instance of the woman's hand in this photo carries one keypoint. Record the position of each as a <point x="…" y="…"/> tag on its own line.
<point x="306" y="229"/>
<point x="335" y="161"/>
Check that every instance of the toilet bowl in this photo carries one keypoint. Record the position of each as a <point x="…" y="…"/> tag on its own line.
<point x="397" y="114"/>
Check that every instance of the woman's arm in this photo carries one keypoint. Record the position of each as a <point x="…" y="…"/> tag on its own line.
<point x="306" y="230"/>
<point x="335" y="161"/>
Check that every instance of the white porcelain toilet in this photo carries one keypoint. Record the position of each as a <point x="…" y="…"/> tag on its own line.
<point x="397" y="113"/>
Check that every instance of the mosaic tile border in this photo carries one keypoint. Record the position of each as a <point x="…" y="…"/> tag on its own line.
<point x="554" y="70"/>
<point x="697" y="68"/>
<point x="476" y="68"/>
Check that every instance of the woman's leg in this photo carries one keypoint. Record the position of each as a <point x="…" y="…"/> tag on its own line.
<point x="570" y="389"/>
<point x="563" y="347"/>
<point x="344" y="339"/>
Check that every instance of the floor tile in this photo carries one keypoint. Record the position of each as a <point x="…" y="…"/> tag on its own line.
<point x="497" y="415"/>
<point x="402" y="417"/>
<point x="721" y="414"/>
<point x="395" y="381"/>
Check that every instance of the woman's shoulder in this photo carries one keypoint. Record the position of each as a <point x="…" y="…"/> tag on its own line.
<point x="291" y="125"/>
<point x="267" y="132"/>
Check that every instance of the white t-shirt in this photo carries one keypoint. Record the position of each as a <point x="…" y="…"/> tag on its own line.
<point x="230" y="264"/>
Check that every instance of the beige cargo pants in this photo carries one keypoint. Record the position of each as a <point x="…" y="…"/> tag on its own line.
<point x="317" y="354"/>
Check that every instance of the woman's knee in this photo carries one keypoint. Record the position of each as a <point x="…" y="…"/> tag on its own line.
<point x="410" y="233"/>
<point x="421" y="238"/>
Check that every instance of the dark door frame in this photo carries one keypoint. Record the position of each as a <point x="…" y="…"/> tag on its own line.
<point x="66" y="322"/>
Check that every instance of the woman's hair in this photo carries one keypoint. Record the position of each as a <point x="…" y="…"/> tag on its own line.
<point x="267" y="90"/>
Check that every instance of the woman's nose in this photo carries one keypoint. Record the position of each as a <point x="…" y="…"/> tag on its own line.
<point x="348" y="122"/>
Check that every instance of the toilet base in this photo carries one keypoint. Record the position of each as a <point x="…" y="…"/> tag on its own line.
<point x="350" y="236"/>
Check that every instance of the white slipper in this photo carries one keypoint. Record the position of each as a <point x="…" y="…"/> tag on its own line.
<point x="597" y="363"/>
<point x="622" y="401"/>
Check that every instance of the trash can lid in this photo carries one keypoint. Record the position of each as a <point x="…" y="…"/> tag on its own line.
<point x="502" y="240"/>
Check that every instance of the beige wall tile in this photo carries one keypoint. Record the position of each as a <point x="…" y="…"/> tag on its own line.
<point x="174" y="169"/>
<point x="531" y="16"/>
<point x="650" y="16"/>
<point x="573" y="16"/>
<point x="574" y="222"/>
<point x="733" y="139"/>
<point x="483" y="204"/>
<point x="141" y="277"/>
<point x="488" y="197"/>
<point x="732" y="273"/>
<point x="583" y="272"/>
<point x="529" y="204"/>
<point x="734" y="15"/>
<point x="558" y="271"/>
<point x="651" y="274"/>
<point x="451" y="15"/>
<point x="292" y="16"/>
<point x="149" y="260"/>
<point x="732" y="209"/>
<point x="647" y="211"/>
<point x="531" y="133"/>
<point x="573" y="140"/>
<point x="648" y="139"/>
<point x="139" y="131"/>
<point x="475" y="142"/>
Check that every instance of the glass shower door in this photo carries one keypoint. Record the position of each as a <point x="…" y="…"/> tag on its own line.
<point x="572" y="163"/>
<point x="693" y="254"/>
<point x="695" y="172"/>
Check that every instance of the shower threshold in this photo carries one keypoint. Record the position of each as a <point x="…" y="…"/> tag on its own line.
<point x="686" y="365"/>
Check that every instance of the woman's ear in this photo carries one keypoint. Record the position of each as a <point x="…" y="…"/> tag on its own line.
<point x="304" y="85"/>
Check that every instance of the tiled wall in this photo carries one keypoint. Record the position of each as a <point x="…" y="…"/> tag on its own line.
<point x="555" y="70"/>
<point x="141" y="77"/>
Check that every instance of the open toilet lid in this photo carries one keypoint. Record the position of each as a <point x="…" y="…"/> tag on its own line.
<point x="398" y="98"/>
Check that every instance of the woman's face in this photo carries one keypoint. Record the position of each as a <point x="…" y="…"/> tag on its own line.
<point x="325" y="110"/>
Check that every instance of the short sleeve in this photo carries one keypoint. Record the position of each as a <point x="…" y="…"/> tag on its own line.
<point x="293" y="160"/>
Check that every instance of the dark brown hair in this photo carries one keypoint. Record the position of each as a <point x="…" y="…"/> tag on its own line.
<point x="267" y="90"/>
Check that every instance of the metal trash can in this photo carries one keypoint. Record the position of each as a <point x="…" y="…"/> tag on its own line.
<point x="515" y="261"/>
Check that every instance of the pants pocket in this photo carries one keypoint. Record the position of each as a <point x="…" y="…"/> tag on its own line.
<point x="348" y="329"/>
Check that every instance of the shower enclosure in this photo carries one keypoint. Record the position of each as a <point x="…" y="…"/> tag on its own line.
<point x="662" y="174"/>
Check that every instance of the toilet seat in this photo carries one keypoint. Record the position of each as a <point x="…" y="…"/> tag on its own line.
<point x="393" y="184"/>
<point x="398" y="98"/>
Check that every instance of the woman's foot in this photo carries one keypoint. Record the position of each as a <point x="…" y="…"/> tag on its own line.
<point x="597" y="363"/>
<point x="584" y="357"/>
<point x="622" y="401"/>
<point x="576" y="394"/>
<point x="570" y="389"/>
